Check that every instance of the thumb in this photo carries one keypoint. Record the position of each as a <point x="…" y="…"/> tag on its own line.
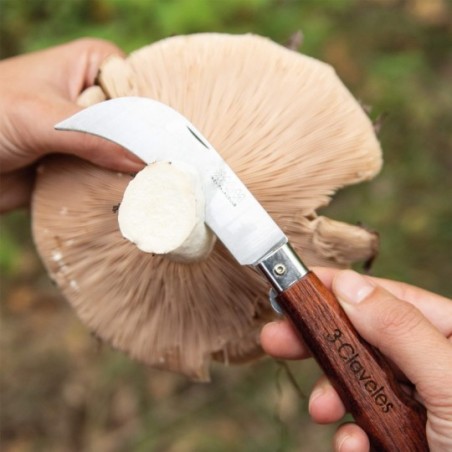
<point x="403" y="334"/>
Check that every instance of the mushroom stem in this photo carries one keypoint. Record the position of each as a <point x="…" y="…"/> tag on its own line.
<point x="162" y="212"/>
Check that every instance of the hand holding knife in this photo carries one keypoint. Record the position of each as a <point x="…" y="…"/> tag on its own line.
<point x="367" y="385"/>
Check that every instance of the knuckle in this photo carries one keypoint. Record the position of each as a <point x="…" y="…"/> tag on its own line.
<point x="398" y="319"/>
<point x="438" y="394"/>
<point x="95" y="44"/>
<point x="88" y="42"/>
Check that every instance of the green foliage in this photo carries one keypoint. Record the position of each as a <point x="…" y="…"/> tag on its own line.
<point x="9" y="250"/>
<point x="14" y="243"/>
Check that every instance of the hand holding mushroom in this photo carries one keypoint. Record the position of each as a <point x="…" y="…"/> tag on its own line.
<point x="411" y="326"/>
<point x="36" y="91"/>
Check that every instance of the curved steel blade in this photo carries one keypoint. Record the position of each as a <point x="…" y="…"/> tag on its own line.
<point x="153" y="131"/>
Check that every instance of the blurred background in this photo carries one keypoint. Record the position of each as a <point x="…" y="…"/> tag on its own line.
<point x="62" y="391"/>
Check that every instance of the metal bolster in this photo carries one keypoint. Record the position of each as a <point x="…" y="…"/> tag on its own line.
<point x="282" y="267"/>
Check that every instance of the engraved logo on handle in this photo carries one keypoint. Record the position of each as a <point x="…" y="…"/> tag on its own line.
<point x="351" y="359"/>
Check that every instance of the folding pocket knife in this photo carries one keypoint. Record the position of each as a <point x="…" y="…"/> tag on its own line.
<point x="365" y="382"/>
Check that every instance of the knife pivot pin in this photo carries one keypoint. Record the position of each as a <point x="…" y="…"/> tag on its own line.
<point x="279" y="269"/>
<point x="282" y="267"/>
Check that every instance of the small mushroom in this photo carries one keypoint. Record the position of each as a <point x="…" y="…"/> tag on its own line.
<point x="91" y="96"/>
<point x="291" y="131"/>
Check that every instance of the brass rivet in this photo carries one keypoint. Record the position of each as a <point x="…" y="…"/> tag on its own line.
<point x="279" y="269"/>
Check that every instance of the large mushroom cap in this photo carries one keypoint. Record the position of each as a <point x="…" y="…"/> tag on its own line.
<point x="292" y="132"/>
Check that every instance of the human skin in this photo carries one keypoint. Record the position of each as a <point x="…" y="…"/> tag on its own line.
<point x="409" y="325"/>
<point x="37" y="90"/>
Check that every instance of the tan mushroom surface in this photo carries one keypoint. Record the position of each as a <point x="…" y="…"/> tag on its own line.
<point x="291" y="131"/>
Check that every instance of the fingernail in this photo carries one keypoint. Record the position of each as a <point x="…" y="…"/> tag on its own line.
<point x="317" y="393"/>
<point x="347" y="443"/>
<point x="133" y="164"/>
<point x="272" y="327"/>
<point x="135" y="159"/>
<point x="351" y="287"/>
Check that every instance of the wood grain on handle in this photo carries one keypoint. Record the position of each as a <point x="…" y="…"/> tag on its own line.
<point x="364" y="381"/>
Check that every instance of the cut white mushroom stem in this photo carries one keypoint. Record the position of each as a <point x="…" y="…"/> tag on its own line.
<point x="162" y="212"/>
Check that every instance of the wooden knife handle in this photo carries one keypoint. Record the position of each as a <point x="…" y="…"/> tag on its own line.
<point x="363" y="379"/>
